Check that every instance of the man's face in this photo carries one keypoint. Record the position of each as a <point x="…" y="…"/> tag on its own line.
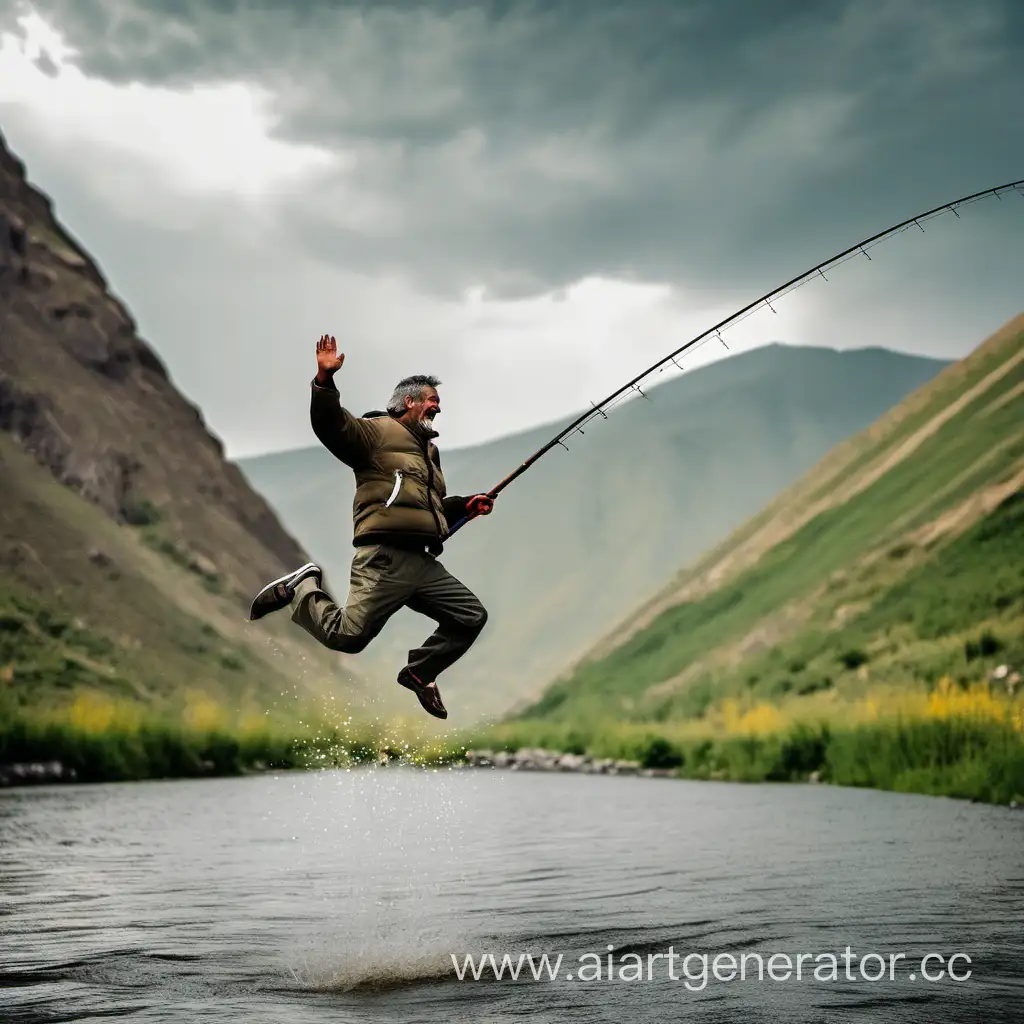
<point x="426" y="407"/>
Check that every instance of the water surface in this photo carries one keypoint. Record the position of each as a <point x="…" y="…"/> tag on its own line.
<point x="341" y="896"/>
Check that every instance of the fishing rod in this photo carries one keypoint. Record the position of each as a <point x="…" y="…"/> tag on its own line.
<point x="854" y="250"/>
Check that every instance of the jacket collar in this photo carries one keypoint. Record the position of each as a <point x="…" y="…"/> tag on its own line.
<point x="421" y="433"/>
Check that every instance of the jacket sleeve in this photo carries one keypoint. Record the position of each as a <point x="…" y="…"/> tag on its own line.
<point x="346" y="437"/>
<point x="454" y="508"/>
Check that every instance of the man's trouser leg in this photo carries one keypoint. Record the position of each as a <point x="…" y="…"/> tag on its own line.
<point x="459" y="616"/>
<point x="380" y="582"/>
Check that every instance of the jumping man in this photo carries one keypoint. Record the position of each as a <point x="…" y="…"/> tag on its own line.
<point x="401" y="516"/>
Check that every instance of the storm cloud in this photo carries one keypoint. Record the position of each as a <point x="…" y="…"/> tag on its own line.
<point x="522" y="146"/>
<point x="541" y="198"/>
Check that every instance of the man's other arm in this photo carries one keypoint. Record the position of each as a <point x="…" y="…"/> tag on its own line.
<point x="346" y="437"/>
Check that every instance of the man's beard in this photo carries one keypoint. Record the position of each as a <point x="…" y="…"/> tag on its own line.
<point x="426" y="423"/>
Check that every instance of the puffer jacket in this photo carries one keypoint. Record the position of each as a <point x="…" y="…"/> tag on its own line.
<point x="400" y="498"/>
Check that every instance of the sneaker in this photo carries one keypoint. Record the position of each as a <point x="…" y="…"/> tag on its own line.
<point x="428" y="693"/>
<point x="278" y="594"/>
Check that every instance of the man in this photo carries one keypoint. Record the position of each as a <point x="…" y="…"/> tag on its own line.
<point x="401" y="517"/>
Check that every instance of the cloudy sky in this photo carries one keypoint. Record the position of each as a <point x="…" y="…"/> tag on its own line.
<point x="532" y="200"/>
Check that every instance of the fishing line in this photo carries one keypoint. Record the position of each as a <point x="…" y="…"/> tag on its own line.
<point x="860" y="249"/>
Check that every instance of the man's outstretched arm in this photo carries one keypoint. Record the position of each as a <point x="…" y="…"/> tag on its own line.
<point x="457" y="507"/>
<point x="347" y="438"/>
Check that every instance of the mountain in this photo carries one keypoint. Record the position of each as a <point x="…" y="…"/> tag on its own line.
<point x="586" y="534"/>
<point x="130" y="546"/>
<point x="885" y="586"/>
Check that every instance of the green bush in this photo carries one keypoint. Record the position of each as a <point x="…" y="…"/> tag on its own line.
<point x="659" y="753"/>
<point x="853" y="658"/>
<point x="984" y="647"/>
<point x="141" y="513"/>
<point x="802" y="751"/>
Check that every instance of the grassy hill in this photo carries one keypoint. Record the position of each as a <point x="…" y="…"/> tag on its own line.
<point x="585" y="535"/>
<point x="867" y="624"/>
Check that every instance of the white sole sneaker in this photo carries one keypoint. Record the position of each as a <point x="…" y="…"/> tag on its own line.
<point x="291" y="580"/>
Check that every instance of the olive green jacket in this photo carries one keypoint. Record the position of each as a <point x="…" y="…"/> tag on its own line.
<point x="400" y="496"/>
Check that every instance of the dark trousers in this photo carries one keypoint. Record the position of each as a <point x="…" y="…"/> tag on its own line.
<point x="384" y="579"/>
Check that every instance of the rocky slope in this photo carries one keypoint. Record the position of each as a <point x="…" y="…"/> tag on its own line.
<point x="93" y="403"/>
<point x="120" y="510"/>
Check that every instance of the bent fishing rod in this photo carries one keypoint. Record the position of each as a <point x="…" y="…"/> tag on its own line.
<point x="860" y="248"/>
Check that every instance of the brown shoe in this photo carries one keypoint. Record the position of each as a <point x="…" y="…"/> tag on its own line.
<point x="278" y="593"/>
<point x="428" y="693"/>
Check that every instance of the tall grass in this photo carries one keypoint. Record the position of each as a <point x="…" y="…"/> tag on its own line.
<point x="104" y="739"/>
<point x="976" y="759"/>
<point x="953" y="741"/>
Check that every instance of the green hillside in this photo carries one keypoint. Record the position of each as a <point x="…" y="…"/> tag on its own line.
<point x="885" y="587"/>
<point x="587" y="534"/>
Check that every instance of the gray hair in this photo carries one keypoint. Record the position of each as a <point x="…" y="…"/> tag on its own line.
<point x="411" y="387"/>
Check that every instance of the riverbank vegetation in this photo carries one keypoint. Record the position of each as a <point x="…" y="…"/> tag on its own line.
<point x="958" y="741"/>
<point x="96" y="738"/>
<point x="964" y="742"/>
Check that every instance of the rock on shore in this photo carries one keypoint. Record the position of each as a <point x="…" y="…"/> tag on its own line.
<point x="537" y="759"/>
<point x="36" y="772"/>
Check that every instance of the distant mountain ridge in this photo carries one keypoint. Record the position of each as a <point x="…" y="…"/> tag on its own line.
<point x="586" y="535"/>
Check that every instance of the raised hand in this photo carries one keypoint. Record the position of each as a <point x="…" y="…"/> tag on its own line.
<point x="328" y="359"/>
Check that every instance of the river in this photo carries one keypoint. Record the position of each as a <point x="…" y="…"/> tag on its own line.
<point x="342" y="896"/>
